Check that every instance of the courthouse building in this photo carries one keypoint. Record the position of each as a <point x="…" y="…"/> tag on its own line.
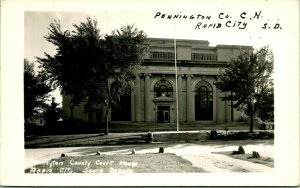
<point x="155" y="95"/>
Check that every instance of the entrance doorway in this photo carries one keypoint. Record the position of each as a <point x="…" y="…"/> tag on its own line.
<point x="163" y="114"/>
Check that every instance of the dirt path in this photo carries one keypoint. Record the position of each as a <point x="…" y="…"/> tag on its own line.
<point x="203" y="155"/>
<point x="221" y="163"/>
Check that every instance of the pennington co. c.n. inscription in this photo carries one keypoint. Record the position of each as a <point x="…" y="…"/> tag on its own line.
<point x="218" y="20"/>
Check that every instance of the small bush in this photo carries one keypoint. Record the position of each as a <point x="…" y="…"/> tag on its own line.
<point x="213" y="135"/>
<point x="242" y="135"/>
<point x="149" y="137"/>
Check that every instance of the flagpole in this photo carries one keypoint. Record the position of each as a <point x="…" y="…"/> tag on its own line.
<point x="176" y="85"/>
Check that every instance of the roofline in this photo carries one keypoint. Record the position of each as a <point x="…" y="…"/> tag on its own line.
<point x="233" y="46"/>
<point x="201" y="41"/>
<point x="180" y="40"/>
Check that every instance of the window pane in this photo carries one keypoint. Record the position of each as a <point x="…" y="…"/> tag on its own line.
<point x="163" y="88"/>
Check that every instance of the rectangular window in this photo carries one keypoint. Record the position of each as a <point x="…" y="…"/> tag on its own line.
<point x="162" y="55"/>
<point x="203" y="57"/>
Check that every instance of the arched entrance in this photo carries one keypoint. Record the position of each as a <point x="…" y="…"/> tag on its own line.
<point x="122" y="112"/>
<point x="203" y="101"/>
<point x="163" y="99"/>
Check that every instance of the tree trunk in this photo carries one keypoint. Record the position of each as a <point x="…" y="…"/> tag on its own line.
<point x="72" y="113"/>
<point x="106" y="130"/>
<point x="251" y="123"/>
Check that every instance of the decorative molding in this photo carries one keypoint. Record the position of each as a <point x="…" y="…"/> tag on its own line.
<point x="207" y="81"/>
<point x="163" y="100"/>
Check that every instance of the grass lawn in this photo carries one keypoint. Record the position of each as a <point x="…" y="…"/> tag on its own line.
<point x="267" y="161"/>
<point x="118" y="163"/>
<point x="82" y="140"/>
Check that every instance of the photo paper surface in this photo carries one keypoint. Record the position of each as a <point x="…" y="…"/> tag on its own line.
<point x="173" y="126"/>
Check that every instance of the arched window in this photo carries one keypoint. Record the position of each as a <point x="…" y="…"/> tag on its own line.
<point x="163" y="88"/>
<point x="203" y="101"/>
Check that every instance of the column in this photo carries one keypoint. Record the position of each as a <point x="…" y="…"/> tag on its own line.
<point x="147" y="98"/>
<point x="137" y="98"/>
<point x="189" y="100"/>
<point x="179" y="90"/>
<point x="228" y="109"/>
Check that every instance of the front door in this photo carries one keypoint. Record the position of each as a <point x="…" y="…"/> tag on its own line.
<point x="163" y="114"/>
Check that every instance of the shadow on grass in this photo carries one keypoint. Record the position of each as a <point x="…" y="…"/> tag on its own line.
<point x="84" y="140"/>
<point x="49" y="141"/>
<point x="130" y="138"/>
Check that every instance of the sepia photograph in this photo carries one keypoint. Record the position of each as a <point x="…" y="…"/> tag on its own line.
<point x="183" y="92"/>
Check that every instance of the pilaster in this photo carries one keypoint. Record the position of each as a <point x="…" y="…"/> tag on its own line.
<point x="179" y="90"/>
<point x="147" y="98"/>
<point x="189" y="100"/>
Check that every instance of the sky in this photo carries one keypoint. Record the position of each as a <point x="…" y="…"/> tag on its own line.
<point x="37" y="23"/>
<point x="149" y="18"/>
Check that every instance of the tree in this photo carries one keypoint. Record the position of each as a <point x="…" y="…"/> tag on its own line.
<point x="36" y="91"/>
<point x="51" y="113"/>
<point x="247" y="81"/>
<point x="265" y="110"/>
<point x="94" y="69"/>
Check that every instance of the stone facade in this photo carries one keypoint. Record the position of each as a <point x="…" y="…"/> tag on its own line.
<point x="155" y="95"/>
